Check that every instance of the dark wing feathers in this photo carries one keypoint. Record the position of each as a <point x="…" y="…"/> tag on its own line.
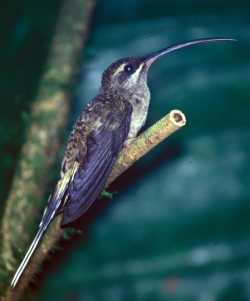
<point x="103" y="146"/>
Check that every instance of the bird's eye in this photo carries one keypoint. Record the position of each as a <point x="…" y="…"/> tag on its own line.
<point x="129" y="68"/>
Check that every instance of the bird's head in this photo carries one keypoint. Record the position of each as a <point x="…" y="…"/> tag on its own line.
<point x="129" y="75"/>
<point x="126" y="74"/>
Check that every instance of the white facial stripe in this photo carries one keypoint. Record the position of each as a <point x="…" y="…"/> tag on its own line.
<point x="119" y="69"/>
<point x="139" y="69"/>
<point x="134" y="77"/>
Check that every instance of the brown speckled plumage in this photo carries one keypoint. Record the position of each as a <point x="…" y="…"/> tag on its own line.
<point x="96" y="139"/>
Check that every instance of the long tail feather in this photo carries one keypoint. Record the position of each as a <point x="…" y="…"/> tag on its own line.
<point x="27" y="256"/>
<point x="54" y="202"/>
<point x="46" y="219"/>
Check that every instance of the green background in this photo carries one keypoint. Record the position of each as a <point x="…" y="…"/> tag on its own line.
<point x="178" y="228"/>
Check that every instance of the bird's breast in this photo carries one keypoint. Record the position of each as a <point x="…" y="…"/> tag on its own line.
<point x="140" y="104"/>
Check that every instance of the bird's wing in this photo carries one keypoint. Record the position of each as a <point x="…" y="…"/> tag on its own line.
<point x="103" y="146"/>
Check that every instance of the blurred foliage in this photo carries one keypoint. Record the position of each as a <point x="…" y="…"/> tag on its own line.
<point x="26" y="29"/>
<point x="179" y="227"/>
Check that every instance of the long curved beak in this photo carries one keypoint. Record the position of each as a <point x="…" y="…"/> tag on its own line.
<point x="150" y="58"/>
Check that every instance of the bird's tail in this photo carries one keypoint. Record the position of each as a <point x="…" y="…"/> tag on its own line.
<point x="54" y="202"/>
<point x="27" y="256"/>
<point x="47" y="217"/>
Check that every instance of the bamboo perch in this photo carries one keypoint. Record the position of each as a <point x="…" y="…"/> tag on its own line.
<point x="129" y="155"/>
<point x="146" y="141"/>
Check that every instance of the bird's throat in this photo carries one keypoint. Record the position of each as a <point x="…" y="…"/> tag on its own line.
<point x="140" y="103"/>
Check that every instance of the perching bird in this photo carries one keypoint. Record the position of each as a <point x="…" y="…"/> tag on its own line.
<point x="113" y="117"/>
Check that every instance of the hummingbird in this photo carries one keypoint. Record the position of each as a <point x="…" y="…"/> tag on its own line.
<point x="110" y="121"/>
